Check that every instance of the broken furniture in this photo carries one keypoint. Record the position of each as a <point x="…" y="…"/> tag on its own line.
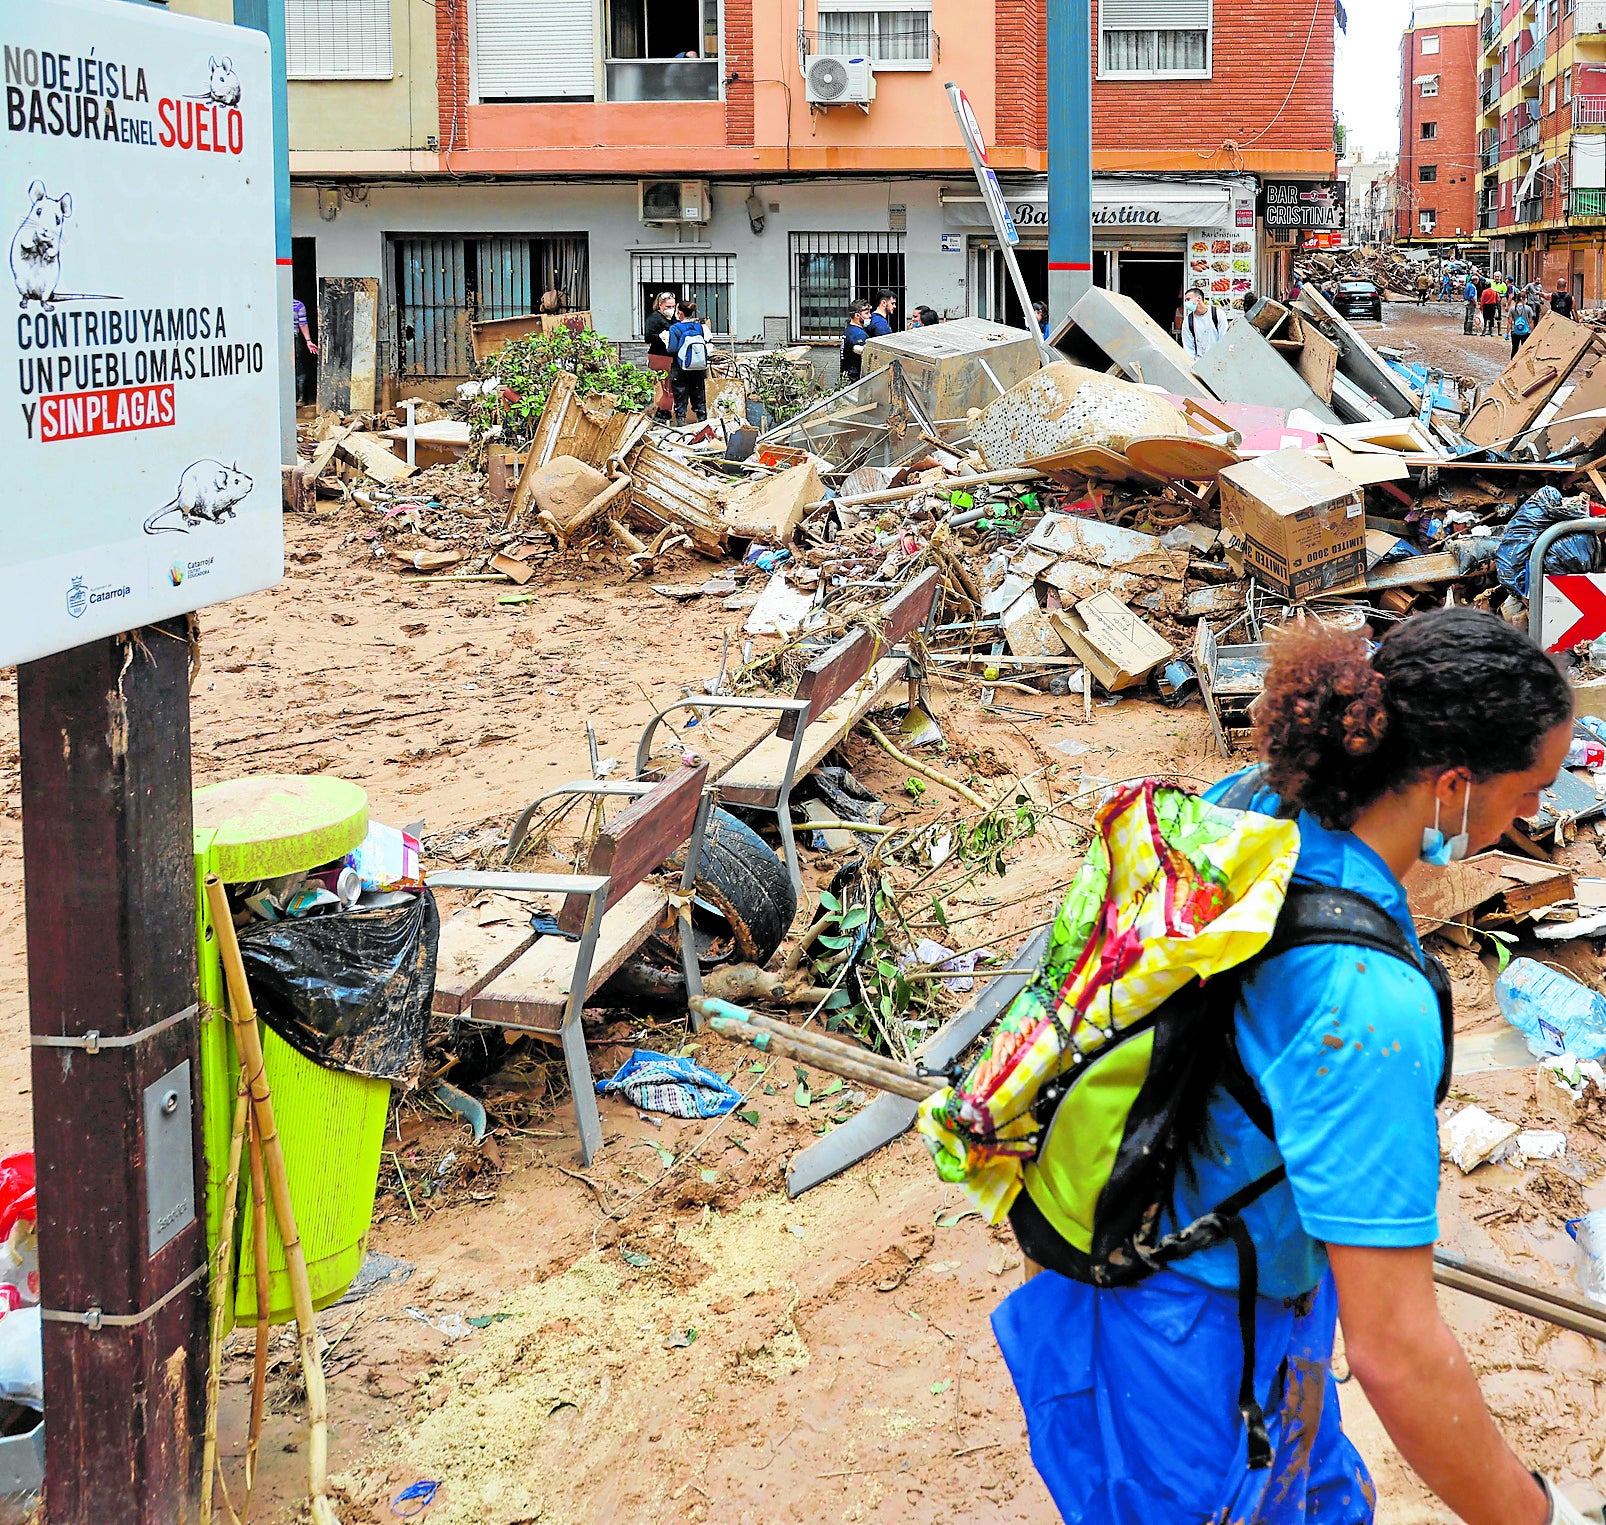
<point x="878" y="420"/>
<point x="523" y="981"/>
<point x="1231" y="678"/>
<point x="888" y="1117"/>
<point x="842" y="685"/>
<point x="954" y="367"/>
<point x="1064" y="408"/>
<point x="1108" y="326"/>
<point x="1244" y="365"/>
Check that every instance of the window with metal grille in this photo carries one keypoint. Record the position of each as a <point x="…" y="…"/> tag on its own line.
<point x="708" y="279"/>
<point x="894" y="34"/>
<point x="830" y="270"/>
<point x="442" y="286"/>
<point x="1427" y="173"/>
<point x="1139" y="39"/>
<point x="337" y="39"/>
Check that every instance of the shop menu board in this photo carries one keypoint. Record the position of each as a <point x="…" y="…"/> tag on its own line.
<point x="1222" y="260"/>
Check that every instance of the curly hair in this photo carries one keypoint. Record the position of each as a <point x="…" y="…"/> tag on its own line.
<point x="1456" y="688"/>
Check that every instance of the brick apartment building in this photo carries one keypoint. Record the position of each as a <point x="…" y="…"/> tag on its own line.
<point x="1436" y="201"/>
<point x="467" y="155"/>
<point x="1542" y="141"/>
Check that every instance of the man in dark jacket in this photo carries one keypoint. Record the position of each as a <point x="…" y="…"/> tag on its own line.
<point x="854" y="338"/>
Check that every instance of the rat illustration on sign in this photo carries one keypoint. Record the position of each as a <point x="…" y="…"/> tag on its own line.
<point x="36" y="252"/>
<point x="224" y="87"/>
<point x="207" y="494"/>
<point x="36" y="246"/>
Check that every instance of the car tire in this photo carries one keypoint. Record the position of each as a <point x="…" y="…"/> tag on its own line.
<point x="742" y="883"/>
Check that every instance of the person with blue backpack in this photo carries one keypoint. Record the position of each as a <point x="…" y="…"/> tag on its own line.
<point x="1522" y="322"/>
<point x="687" y="343"/>
<point x="1195" y="1388"/>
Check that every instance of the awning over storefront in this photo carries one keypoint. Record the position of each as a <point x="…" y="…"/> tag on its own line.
<point x="1117" y="204"/>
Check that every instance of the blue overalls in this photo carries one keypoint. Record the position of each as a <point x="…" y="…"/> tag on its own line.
<point x="1130" y="1393"/>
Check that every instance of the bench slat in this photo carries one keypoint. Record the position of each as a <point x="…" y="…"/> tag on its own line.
<point x="534" y="989"/>
<point x="837" y="669"/>
<point x="470" y="956"/>
<point x="756" y="780"/>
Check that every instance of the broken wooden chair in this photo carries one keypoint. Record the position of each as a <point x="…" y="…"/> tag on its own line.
<point x="846" y="682"/>
<point x="523" y="981"/>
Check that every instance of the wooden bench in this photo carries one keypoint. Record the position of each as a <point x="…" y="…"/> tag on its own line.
<point x="835" y="692"/>
<point x="516" y="979"/>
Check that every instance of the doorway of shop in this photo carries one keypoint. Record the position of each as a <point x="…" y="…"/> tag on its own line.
<point x="1153" y="279"/>
<point x="995" y="292"/>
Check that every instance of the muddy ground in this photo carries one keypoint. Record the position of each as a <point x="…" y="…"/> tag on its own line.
<point x="665" y="1336"/>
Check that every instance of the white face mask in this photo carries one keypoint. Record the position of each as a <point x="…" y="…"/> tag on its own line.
<point x="1439" y="849"/>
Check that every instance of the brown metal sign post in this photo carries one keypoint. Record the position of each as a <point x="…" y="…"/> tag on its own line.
<point x="110" y="887"/>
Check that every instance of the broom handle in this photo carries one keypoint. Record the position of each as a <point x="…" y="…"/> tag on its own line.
<point x="847" y="1069"/>
<point x="222" y="1285"/>
<point x="249" y="1043"/>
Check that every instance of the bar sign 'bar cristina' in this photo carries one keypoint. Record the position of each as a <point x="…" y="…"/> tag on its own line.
<point x="139" y="416"/>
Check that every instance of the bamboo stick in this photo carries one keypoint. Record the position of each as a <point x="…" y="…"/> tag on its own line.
<point x="788" y="1048"/>
<point x="249" y="1044"/>
<point x="222" y="1287"/>
<point x="812" y="1038"/>
<point x="263" y="1279"/>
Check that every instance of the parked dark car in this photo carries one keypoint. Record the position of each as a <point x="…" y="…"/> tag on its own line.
<point x="1359" y="299"/>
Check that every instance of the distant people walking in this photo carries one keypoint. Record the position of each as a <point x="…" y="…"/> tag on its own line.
<point x="1470" y="295"/>
<point x="1424" y="284"/>
<point x="1489" y="302"/>
<point x="1521" y="325"/>
<point x="1561" y="300"/>
<point x="1202" y="323"/>
<point x="306" y="354"/>
<point x="854" y="338"/>
<point x="688" y="376"/>
<point x="659" y="321"/>
<point x="1502" y="292"/>
<point x="1446" y="286"/>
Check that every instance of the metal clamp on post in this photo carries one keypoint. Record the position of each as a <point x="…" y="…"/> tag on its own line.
<point x="95" y="1319"/>
<point x="92" y="1042"/>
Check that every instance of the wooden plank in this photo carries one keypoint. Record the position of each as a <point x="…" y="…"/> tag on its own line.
<point x="756" y="779"/>
<point x="534" y="989"/>
<point x="471" y="956"/>
<point x="639" y="838"/>
<point x="833" y="673"/>
<point x="365" y="451"/>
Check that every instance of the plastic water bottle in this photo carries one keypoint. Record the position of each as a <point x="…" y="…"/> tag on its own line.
<point x="1586" y="753"/>
<point x="1590" y="1232"/>
<point x="1552" y="1010"/>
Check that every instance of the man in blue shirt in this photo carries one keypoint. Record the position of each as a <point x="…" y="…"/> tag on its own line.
<point x="854" y="338"/>
<point x="886" y="308"/>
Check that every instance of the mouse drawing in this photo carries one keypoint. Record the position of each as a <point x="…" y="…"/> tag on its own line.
<point x="224" y="88"/>
<point x="36" y="247"/>
<point x="207" y="493"/>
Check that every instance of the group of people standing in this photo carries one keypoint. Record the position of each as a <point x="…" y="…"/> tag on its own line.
<point x="677" y="345"/>
<point x="1503" y="306"/>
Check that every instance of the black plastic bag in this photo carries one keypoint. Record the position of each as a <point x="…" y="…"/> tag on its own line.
<point x="1571" y="553"/>
<point x="351" y="990"/>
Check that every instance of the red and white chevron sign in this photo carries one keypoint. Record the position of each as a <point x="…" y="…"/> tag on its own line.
<point x="1575" y="610"/>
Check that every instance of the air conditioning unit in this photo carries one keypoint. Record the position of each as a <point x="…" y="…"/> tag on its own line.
<point x="835" y="79"/>
<point x="673" y="200"/>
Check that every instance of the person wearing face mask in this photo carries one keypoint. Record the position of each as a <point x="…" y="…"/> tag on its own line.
<point x="1202" y="323"/>
<point x="1319" y="1141"/>
<point x="659" y="321"/>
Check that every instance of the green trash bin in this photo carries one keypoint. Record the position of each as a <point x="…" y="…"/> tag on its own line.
<point x="332" y="1124"/>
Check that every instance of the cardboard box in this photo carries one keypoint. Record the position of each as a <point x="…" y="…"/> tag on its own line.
<point x="1117" y="648"/>
<point x="1298" y="526"/>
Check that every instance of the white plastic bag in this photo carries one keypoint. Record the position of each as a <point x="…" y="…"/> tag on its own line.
<point x="22" y="1358"/>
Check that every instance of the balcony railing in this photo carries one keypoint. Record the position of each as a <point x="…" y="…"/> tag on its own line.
<point x="1486" y="94"/>
<point x="1531" y="210"/>
<point x="663" y="79"/>
<point x="1487" y="220"/>
<point x="1589" y="111"/>
<point x="1528" y="137"/>
<point x="1490" y="156"/>
<point x="1589" y="20"/>
<point x="1489" y="25"/>
<point x="1531" y="60"/>
<point x="1586" y="203"/>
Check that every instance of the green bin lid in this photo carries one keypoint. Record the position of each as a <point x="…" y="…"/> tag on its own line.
<point x="262" y="828"/>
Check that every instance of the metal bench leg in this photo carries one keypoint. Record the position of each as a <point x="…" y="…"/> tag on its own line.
<point x="578" y="1062"/>
<point x="783" y="812"/>
<point x="683" y="925"/>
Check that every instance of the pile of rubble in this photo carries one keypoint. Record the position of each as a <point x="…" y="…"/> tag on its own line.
<point x="1391" y="272"/>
